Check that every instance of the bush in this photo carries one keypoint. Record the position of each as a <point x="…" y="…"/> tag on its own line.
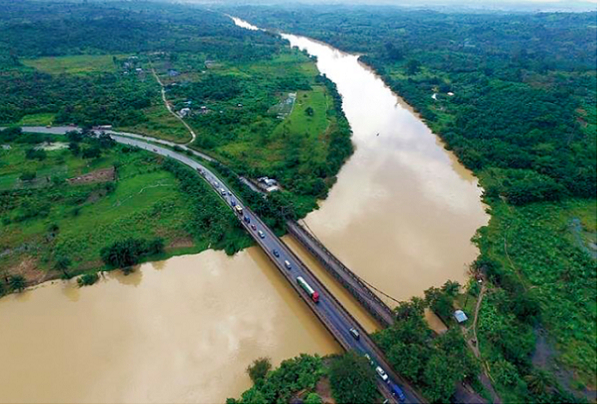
<point x="129" y="252"/>
<point x="27" y="176"/>
<point x="32" y="153"/>
<point x="87" y="279"/>
<point x="17" y="283"/>
<point x="63" y="263"/>
<point x="353" y="380"/>
<point x="259" y="369"/>
<point x="313" y="399"/>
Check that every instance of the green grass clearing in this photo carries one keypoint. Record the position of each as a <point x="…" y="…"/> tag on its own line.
<point x="73" y="64"/>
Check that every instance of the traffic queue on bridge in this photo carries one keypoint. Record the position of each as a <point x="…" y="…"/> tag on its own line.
<point x="304" y="285"/>
<point x="314" y="295"/>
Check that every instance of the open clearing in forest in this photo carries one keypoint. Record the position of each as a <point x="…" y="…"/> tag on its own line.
<point x="73" y="64"/>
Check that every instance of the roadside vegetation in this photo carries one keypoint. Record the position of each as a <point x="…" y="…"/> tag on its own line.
<point x="74" y="204"/>
<point x="346" y="378"/>
<point x="514" y="97"/>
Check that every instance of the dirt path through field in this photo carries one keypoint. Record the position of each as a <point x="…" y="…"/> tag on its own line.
<point x="168" y="106"/>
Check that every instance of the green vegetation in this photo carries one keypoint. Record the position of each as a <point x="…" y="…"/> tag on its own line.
<point x="515" y="100"/>
<point x="61" y="216"/>
<point x="280" y="385"/>
<point x="353" y="380"/>
<point x="259" y="369"/>
<point x="72" y="205"/>
<point x="251" y="116"/>
<point x="129" y="252"/>
<point x="88" y="279"/>
<point x="435" y="364"/>
<point x="306" y="379"/>
<point x="539" y="276"/>
<point x="244" y="93"/>
<point x="73" y="64"/>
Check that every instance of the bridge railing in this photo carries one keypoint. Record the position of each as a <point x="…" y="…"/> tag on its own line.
<point x="348" y="279"/>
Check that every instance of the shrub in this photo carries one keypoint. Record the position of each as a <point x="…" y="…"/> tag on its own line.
<point x="313" y="399"/>
<point x="128" y="252"/>
<point x="26" y="176"/>
<point x="32" y="153"/>
<point x="259" y="369"/>
<point x="87" y="279"/>
<point x="353" y="380"/>
<point x="17" y="283"/>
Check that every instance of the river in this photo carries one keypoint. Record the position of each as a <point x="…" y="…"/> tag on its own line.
<point x="401" y="215"/>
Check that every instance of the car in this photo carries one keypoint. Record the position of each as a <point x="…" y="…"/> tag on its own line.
<point x="368" y="357"/>
<point x="397" y="392"/>
<point x="384" y="377"/>
<point x="233" y="202"/>
<point x="355" y="333"/>
<point x="223" y="193"/>
<point x="154" y="149"/>
<point x="216" y="183"/>
<point x="229" y="193"/>
<point x="287" y="264"/>
<point x="261" y="234"/>
<point x="276" y="253"/>
<point x="246" y="219"/>
<point x="253" y="227"/>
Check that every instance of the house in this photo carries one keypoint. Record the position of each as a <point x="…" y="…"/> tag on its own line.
<point x="268" y="184"/>
<point x="184" y="111"/>
<point x="460" y="316"/>
<point x="172" y="73"/>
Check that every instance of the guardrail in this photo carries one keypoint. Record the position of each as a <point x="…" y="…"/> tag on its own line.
<point x="357" y="288"/>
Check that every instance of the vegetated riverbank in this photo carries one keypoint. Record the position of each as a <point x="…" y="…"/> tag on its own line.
<point x="97" y="206"/>
<point x="236" y="94"/>
<point x="494" y="116"/>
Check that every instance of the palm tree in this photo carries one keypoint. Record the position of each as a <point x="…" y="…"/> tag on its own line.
<point x="17" y="283"/>
<point x="538" y="381"/>
<point x="451" y="288"/>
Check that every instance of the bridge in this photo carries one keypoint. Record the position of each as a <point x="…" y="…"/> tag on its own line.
<point x="352" y="282"/>
<point x="328" y="310"/>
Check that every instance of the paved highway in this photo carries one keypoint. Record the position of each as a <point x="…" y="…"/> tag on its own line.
<point x="329" y="311"/>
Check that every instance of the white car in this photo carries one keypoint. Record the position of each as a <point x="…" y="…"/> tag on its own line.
<point x="261" y="234"/>
<point x="381" y="373"/>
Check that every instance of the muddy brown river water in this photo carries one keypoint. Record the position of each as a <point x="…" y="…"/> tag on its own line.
<point x="401" y="215"/>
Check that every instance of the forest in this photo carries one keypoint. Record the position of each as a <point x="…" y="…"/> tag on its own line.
<point x="514" y="97"/>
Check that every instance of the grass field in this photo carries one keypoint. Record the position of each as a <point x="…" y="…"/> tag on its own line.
<point x="74" y="64"/>
<point x="37" y="119"/>
<point x="300" y="122"/>
<point x="146" y="202"/>
<point x="161" y="124"/>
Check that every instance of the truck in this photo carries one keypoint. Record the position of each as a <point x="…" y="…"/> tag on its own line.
<point x="397" y="392"/>
<point x="239" y="210"/>
<point x="306" y="287"/>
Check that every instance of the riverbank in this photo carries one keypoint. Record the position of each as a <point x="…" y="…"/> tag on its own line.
<point x="66" y="206"/>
